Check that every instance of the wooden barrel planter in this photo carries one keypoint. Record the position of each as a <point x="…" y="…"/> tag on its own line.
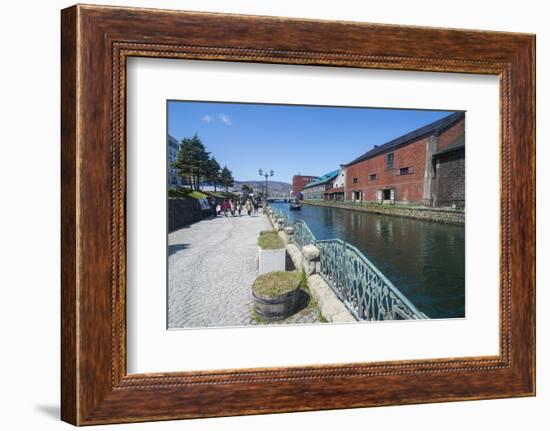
<point x="276" y="294"/>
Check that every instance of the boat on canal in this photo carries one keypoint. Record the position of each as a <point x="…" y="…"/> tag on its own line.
<point x="295" y="205"/>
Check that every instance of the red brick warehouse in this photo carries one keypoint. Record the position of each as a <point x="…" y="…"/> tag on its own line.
<point x="299" y="182"/>
<point x="425" y="166"/>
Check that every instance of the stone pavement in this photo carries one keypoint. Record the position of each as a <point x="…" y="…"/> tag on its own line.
<point x="211" y="267"/>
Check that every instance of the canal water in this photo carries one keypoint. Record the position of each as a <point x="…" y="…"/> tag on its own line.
<point x="424" y="260"/>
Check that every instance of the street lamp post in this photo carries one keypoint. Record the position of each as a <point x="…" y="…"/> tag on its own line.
<point x="266" y="174"/>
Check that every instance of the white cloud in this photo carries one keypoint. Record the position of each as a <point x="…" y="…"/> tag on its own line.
<point x="225" y="119"/>
<point x="207" y="118"/>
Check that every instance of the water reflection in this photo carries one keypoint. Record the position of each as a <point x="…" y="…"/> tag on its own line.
<point x="424" y="260"/>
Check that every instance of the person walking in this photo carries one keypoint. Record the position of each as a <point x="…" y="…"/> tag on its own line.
<point x="212" y="204"/>
<point x="249" y="207"/>
<point x="225" y="206"/>
<point x="232" y="207"/>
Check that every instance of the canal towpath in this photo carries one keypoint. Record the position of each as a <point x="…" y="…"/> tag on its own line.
<point x="211" y="267"/>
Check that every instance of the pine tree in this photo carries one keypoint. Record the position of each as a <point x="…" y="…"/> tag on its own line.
<point x="192" y="160"/>
<point x="213" y="172"/>
<point x="226" y="179"/>
<point x="247" y="189"/>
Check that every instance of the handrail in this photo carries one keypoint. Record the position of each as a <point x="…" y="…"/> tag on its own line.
<point x="302" y="234"/>
<point x="358" y="283"/>
<point x="366" y="291"/>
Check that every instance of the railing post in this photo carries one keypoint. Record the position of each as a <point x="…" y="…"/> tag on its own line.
<point x="345" y="271"/>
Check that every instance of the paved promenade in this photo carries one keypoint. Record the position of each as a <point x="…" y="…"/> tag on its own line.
<point x="211" y="267"/>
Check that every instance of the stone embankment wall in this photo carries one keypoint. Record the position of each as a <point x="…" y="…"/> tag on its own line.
<point x="420" y="213"/>
<point x="183" y="212"/>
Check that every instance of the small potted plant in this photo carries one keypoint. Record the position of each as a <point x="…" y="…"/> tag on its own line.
<point x="276" y="294"/>
<point x="272" y="252"/>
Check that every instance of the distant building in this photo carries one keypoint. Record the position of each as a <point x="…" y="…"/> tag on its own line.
<point x="316" y="189"/>
<point x="174" y="180"/>
<point x="298" y="183"/>
<point x="338" y="190"/>
<point x="425" y="166"/>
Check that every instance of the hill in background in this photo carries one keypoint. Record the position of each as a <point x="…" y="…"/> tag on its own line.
<point x="275" y="187"/>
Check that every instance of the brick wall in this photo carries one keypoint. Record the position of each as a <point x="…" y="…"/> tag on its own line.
<point x="451" y="135"/>
<point x="408" y="187"/>
<point x="299" y="181"/>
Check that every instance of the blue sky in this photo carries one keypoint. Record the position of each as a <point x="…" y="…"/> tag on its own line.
<point x="289" y="139"/>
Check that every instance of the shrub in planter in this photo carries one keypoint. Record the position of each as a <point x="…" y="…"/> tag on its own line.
<point x="268" y="232"/>
<point x="276" y="294"/>
<point x="272" y="253"/>
<point x="270" y="241"/>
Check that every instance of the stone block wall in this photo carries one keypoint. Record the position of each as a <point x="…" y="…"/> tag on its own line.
<point x="416" y="212"/>
<point x="449" y="185"/>
<point x="183" y="212"/>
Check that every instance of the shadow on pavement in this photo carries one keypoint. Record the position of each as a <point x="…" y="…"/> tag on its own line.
<point x="174" y="248"/>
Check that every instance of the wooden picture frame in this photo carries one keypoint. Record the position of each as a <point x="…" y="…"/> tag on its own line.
<point x="95" y="43"/>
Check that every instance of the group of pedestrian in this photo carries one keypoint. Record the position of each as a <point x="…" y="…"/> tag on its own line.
<point x="236" y="207"/>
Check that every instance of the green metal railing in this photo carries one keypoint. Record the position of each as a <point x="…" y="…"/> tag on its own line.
<point x="302" y="234"/>
<point x="357" y="282"/>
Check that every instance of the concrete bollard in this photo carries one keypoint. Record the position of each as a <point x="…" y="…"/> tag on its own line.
<point x="310" y="259"/>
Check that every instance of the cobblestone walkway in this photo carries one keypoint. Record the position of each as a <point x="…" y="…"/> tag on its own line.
<point x="211" y="267"/>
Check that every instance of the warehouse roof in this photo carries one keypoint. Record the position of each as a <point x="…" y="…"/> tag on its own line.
<point x="435" y="128"/>
<point x="323" y="179"/>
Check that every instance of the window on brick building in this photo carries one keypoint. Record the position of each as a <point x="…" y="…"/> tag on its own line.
<point x="389" y="161"/>
<point x="355" y="181"/>
<point x="404" y="171"/>
<point x="372" y="177"/>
